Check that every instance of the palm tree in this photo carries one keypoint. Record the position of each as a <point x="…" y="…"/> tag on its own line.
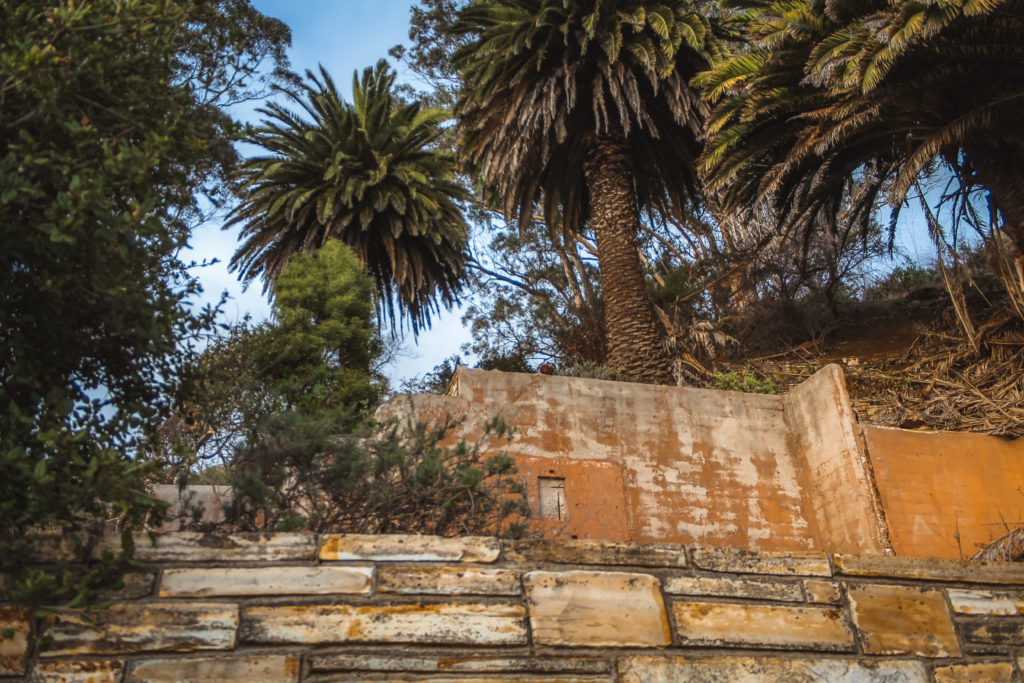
<point x="584" y="107"/>
<point x="369" y="174"/>
<point x="866" y="98"/>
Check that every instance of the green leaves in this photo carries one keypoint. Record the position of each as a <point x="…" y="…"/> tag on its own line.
<point x="369" y="174"/>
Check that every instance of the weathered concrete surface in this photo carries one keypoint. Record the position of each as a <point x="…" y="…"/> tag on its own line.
<point x="758" y="589"/>
<point x="697" y="466"/>
<point x="838" y="484"/>
<point x="596" y="609"/>
<point x="409" y="548"/>
<point x="452" y="624"/>
<point x="936" y="485"/>
<point x="216" y="581"/>
<point x="267" y="668"/>
<point x="765" y="670"/>
<point x="747" y="562"/>
<point x="772" y="626"/>
<point x="127" y="627"/>
<point x="896" y="620"/>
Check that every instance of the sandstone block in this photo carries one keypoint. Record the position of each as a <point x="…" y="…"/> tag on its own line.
<point x="897" y="620"/>
<point x="596" y="609"/>
<point x="990" y="672"/>
<point x="827" y="592"/>
<point x="750" y="669"/>
<point x="986" y="602"/>
<point x="466" y="580"/>
<point x="409" y="548"/>
<point x="597" y="552"/>
<point x="774" y="626"/>
<point x="127" y="628"/>
<point x="15" y="625"/>
<point x="187" y="546"/>
<point x="500" y="678"/>
<point x="747" y="562"/>
<point x="758" y="589"/>
<point x="265" y="668"/>
<point x="995" y="631"/>
<point x="930" y="568"/>
<point x="109" y="671"/>
<point x="199" y="583"/>
<point x="461" y="623"/>
<point x="460" y="663"/>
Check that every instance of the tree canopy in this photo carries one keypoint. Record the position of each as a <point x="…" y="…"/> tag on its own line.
<point x="112" y="138"/>
<point x="367" y="173"/>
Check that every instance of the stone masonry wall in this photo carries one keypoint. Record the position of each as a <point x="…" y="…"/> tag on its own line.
<point x="297" y="607"/>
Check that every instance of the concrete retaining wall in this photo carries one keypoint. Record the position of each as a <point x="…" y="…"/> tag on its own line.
<point x="294" y="607"/>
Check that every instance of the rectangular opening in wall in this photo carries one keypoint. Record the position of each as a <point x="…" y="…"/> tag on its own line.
<point x="551" y="494"/>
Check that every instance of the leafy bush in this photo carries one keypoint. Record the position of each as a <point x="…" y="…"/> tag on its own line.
<point x="747" y="382"/>
<point x="301" y="474"/>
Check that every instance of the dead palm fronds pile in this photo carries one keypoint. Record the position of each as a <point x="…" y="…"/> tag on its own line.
<point x="946" y="381"/>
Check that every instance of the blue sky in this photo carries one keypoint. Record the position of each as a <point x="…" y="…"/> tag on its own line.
<point x="343" y="36"/>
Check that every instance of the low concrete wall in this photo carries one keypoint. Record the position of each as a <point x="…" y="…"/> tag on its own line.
<point x="669" y="464"/>
<point x="947" y="493"/>
<point x="297" y="607"/>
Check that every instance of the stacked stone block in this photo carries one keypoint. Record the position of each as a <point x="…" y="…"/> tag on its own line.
<point x="296" y="607"/>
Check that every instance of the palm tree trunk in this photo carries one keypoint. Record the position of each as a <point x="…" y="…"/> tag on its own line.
<point x="634" y="335"/>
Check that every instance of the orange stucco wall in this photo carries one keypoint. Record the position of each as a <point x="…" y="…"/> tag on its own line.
<point x="938" y="486"/>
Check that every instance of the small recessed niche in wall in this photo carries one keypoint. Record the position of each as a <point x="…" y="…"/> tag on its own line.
<point x="551" y="494"/>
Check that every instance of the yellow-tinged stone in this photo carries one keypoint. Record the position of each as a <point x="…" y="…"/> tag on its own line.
<point x="897" y="620"/>
<point x="929" y="568"/>
<point x="758" y="589"/>
<point x="188" y="546"/>
<point x="458" y="623"/>
<point x="15" y="624"/>
<point x="465" y="580"/>
<point x="127" y="628"/>
<point x="265" y="668"/>
<point x="409" y="548"/>
<point x="596" y="609"/>
<point x="803" y="669"/>
<point x="819" y="590"/>
<point x="748" y="562"/>
<point x="104" y="671"/>
<point x="986" y="602"/>
<point x="200" y="583"/>
<point x="989" y="672"/>
<point x="461" y="663"/>
<point x="776" y="626"/>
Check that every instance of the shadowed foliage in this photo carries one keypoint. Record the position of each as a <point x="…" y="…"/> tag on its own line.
<point x="585" y="108"/>
<point x="367" y="173"/>
<point x="864" y="99"/>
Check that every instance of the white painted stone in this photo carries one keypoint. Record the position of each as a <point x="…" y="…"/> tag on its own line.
<point x="986" y="602"/>
<point x="596" y="609"/>
<point x="468" y="624"/>
<point x="409" y="548"/>
<point x="199" y="583"/>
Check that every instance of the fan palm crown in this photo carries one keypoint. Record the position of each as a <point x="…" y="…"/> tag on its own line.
<point x="863" y="98"/>
<point x="584" y="107"/>
<point x="370" y="174"/>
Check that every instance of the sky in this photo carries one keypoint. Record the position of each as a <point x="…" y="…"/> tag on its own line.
<point x="344" y="36"/>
